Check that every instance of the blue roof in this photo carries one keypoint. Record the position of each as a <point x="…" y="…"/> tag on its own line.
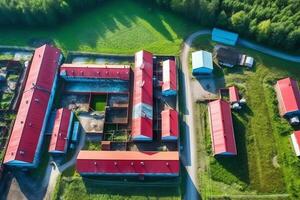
<point x="202" y="62"/>
<point x="75" y="131"/>
<point x="225" y="37"/>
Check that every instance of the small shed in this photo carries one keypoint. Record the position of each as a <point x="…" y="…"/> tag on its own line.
<point x="202" y="62"/>
<point x="225" y="37"/>
<point x="169" y="86"/>
<point x="296" y="142"/>
<point x="233" y="95"/>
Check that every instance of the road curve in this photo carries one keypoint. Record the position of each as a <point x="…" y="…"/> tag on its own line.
<point x="189" y="154"/>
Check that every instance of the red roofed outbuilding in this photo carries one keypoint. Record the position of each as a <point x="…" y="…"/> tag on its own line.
<point x="221" y="127"/>
<point x="296" y="142"/>
<point x="169" y="86"/>
<point x="128" y="163"/>
<point x="61" y="131"/>
<point x="288" y="96"/>
<point x="73" y="71"/>
<point x="142" y="112"/>
<point x="27" y="133"/>
<point x="170" y="127"/>
<point x="233" y="94"/>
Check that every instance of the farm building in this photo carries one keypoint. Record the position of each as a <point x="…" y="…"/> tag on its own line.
<point x="230" y="57"/>
<point x="221" y="127"/>
<point x="169" y="86"/>
<point x="296" y="142"/>
<point x="170" y="126"/>
<point x="202" y="62"/>
<point x="27" y="134"/>
<point x="225" y="37"/>
<point x="93" y="78"/>
<point x="142" y="114"/>
<point x="288" y="96"/>
<point x="233" y="95"/>
<point x="61" y="131"/>
<point x="128" y="163"/>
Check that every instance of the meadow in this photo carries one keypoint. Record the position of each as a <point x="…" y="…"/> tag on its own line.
<point x="266" y="163"/>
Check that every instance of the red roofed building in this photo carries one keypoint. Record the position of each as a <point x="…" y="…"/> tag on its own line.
<point x="142" y="113"/>
<point x="169" y="122"/>
<point x="73" y="71"/>
<point x="128" y="163"/>
<point x="221" y="127"/>
<point x="61" y="131"/>
<point x="233" y="94"/>
<point x="169" y="86"/>
<point x="296" y="142"/>
<point x="288" y="97"/>
<point x="27" y="133"/>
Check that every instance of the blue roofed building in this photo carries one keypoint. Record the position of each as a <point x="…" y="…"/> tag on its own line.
<point x="202" y="62"/>
<point x="225" y="37"/>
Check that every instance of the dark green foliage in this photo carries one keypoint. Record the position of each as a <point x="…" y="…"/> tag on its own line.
<point x="274" y="22"/>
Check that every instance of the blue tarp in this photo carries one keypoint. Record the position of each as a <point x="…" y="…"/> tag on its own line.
<point x="225" y="37"/>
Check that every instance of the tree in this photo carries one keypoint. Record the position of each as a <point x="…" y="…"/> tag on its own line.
<point x="263" y="30"/>
<point x="240" y="21"/>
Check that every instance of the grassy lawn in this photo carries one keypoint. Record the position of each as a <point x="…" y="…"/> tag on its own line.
<point x="117" y="26"/>
<point x="266" y="163"/>
<point x="98" y="102"/>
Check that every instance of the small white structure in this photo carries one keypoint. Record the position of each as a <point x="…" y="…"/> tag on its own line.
<point x="249" y="62"/>
<point x="294" y="120"/>
<point x="296" y="142"/>
<point x="202" y="62"/>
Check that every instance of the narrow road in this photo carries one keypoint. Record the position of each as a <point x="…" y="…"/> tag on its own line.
<point x="189" y="154"/>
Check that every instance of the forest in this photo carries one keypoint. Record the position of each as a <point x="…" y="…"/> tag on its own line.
<point x="273" y="22"/>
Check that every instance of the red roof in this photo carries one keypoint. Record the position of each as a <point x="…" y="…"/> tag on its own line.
<point x="297" y="136"/>
<point x="142" y="128"/>
<point x="60" y="131"/>
<point x="143" y="75"/>
<point x="96" y="71"/>
<point x="169" y="75"/>
<point x="233" y="94"/>
<point x="222" y="133"/>
<point x="26" y="132"/>
<point x="128" y="162"/>
<point x="169" y="124"/>
<point x="288" y="96"/>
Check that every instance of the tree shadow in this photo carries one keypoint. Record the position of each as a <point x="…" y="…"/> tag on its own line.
<point x="237" y="165"/>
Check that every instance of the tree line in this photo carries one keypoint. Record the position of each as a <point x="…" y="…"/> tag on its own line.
<point x="275" y="22"/>
<point x="40" y="12"/>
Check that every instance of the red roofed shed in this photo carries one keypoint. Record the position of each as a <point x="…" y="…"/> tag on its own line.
<point x="142" y="97"/>
<point x="61" y="131"/>
<point x="121" y="72"/>
<point x="170" y="128"/>
<point x="128" y="163"/>
<point x="221" y="127"/>
<point x="169" y="86"/>
<point x="26" y="136"/>
<point x="288" y="97"/>
<point x="296" y="142"/>
<point x="233" y="94"/>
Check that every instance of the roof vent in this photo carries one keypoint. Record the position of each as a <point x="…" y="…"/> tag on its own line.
<point x="131" y="163"/>
<point x="95" y="163"/>
<point x="142" y="84"/>
<point x="115" y="163"/>
<point x="167" y="163"/>
<point x="142" y="163"/>
<point x="37" y="100"/>
<point x="30" y="124"/>
<point x="21" y="152"/>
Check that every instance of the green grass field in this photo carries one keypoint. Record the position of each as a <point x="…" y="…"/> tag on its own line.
<point x="116" y="27"/>
<point x="266" y="163"/>
<point x="98" y="102"/>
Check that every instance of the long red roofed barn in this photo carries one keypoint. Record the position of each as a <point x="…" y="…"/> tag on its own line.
<point x="170" y="128"/>
<point x="288" y="97"/>
<point x="142" y="114"/>
<point x="128" y="163"/>
<point x="221" y="127"/>
<point x="27" y="133"/>
<point x="61" y="131"/>
<point x="93" y="71"/>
